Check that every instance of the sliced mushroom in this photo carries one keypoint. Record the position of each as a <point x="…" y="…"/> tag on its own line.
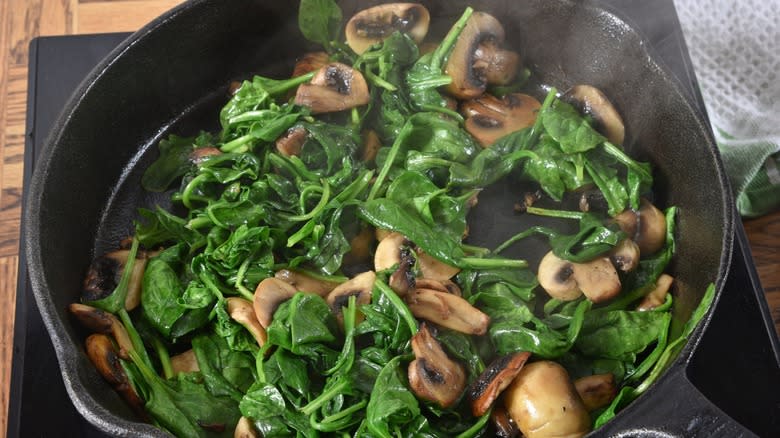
<point x="489" y="118"/>
<point x="432" y="268"/>
<point x="103" y="322"/>
<point x="497" y="376"/>
<point x="591" y="101"/>
<point x="359" y="287"/>
<point x="371" y="26"/>
<point x="245" y="429"/>
<point x="388" y="252"/>
<point x="199" y="155"/>
<point x="105" y="273"/>
<point x="185" y="362"/>
<point x="647" y="227"/>
<point x="103" y="354"/>
<point x="360" y="247"/>
<point x="242" y="311"/>
<point x="502" y="423"/>
<point x="310" y="62"/>
<point x="596" y="391"/>
<point x="566" y="281"/>
<point x="447" y="310"/>
<point x="447" y="286"/>
<point x="371" y="146"/>
<point x="433" y="375"/>
<point x="335" y="87"/>
<point x="543" y="402"/>
<point x="477" y="59"/>
<point x="625" y="255"/>
<point x="270" y="293"/>
<point x="291" y="142"/>
<point x="657" y="296"/>
<point x="306" y="283"/>
<point x="556" y="276"/>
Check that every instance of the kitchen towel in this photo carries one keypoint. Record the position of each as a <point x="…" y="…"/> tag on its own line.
<point x="735" y="50"/>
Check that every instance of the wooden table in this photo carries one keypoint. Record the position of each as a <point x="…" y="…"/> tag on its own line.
<point x="22" y="20"/>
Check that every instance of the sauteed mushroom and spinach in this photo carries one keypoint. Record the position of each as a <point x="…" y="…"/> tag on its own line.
<point x="316" y="274"/>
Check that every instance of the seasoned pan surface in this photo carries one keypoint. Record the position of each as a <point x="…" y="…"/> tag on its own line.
<point x="171" y="77"/>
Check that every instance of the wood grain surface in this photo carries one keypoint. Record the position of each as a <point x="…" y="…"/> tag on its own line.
<point x="22" y="20"/>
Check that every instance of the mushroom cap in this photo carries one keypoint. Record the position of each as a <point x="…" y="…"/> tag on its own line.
<point x="497" y="376"/>
<point x="335" y="87"/>
<point x="105" y="273"/>
<point x="371" y="26"/>
<point x="489" y="118"/>
<point x="597" y="279"/>
<point x="657" y="296"/>
<point x="359" y="286"/>
<point x="245" y="429"/>
<point x="647" y="226"/>
<point x="500" y="65"/>
<point x="556" y="276"/>
<point x="468" y="73"/>
<point x="185" y="362"/>
<point x="447" y="310"/>
<point x="625" y="256"/>
<point x="544" y="403"/>
<point x="305" y="283"/>
<point x="243" y="312"/>
<point x="388" y="252"/>
<point x="309" y="62"/>
<point x="268" y="295"/>
<point x="596" y="391"/>
<point x="291" y="142"/>
<point x="431" y="267"/>
<point x="591" y="101"/>
<point x="432" y="374"/>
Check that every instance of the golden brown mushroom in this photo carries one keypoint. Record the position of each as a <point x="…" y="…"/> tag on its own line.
<point x="185" y="362"/>
<point x="245" y="429"/>
<point x="625" y="255"/>
<point x="306" y="283"/>
<point x="269" y="294"/>
<point x="497" y="376"/>
<point x="647" y="227"/>
<point x="104" y="322"/>
<point x="591" y="101"/>
<point x="310" y="62"/>
<point x="371" y="26"/>
<point x="105" y="273"/>
<point x="242" y="311"/>
<point x="360" y="287"/>
<point x="433" y="375"/>
<point x="596" y="391"/>
<point x="477" y="58"/>
<point x="564" y="280"/>
<point x="291" y="142"/>
<point x="335" y="87"/>
<point x="657" y="296"/>
<point x="103" y="354"/>
<point x="489" y="118"/>
<point x="447" y="310"/>
<point x="544" y="403"/>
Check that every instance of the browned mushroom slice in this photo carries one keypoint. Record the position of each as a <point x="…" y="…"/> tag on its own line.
<point x="269" y="294"/>
<point x="335" y="87"/>
<point x="388" y="252"/>
<point x="476" y="58"/>
<point x="310" y="62"/>
<point x="657" y="296"/>
<point x="371" y="146"/>
<point x="496" y="377"/>
<point x="102" y="353"/>
<point x="291" y="142"/>
<point x="242" y="311"/>
<point x="432" y="268"/>
<point x="448" y="286"/>
<point x="185" y="362"/>
<point x="544" y="403"/>
<point x="105" y="272"/>
<point x="199" y="155"/>
<point x="306" y="283"/>
<point x="447" y="310"/>
<point x="564" y="280"/>
<point x="373" y="25"/>
<point x="647" y="227"/>
<point x="359" y="287"/>
<point x="433" y="375"/>
<point x="625" y="255"/>
<point x="245" y="429"/>
<point x="596" y="391"/>
<point x="591" y="101"/>
<point x="360" y="247"/>
<point x="104" y="322"/>
<point x="502" y="423"/>
<point x="489" y="118"/>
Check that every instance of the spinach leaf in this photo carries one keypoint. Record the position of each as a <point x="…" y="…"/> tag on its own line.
<point x="569" y="128"/>
<point x="620" y="334"/>
<point x="391" y="406"/>
<point x="320" y="21"/>
<point x="173" y="162"/>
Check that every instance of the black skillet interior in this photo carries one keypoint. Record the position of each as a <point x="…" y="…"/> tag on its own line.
<point x="172" y="77"/>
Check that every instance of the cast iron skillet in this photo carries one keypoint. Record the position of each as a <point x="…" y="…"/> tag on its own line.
<point x="171" y="77"/>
